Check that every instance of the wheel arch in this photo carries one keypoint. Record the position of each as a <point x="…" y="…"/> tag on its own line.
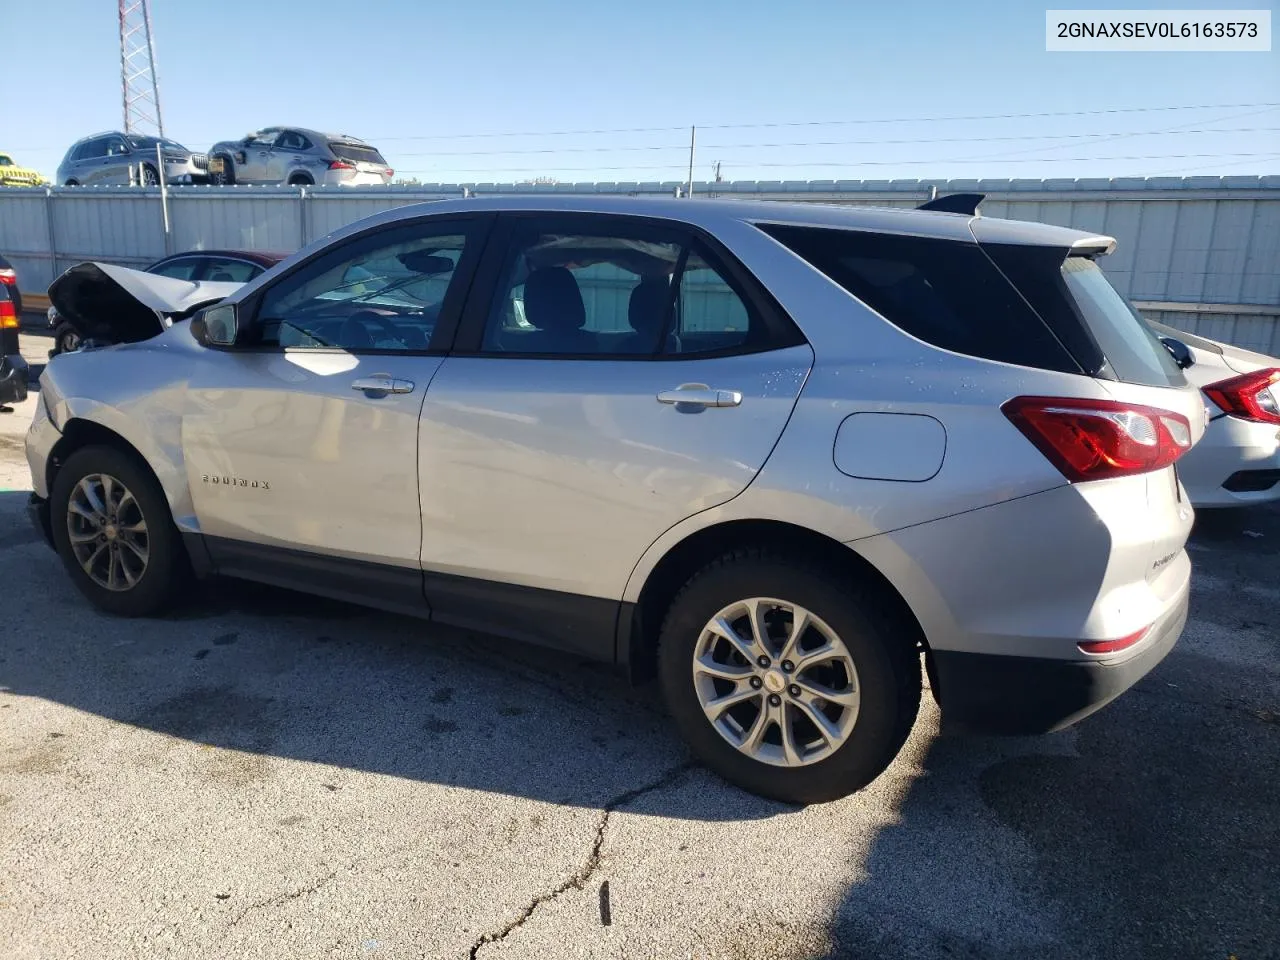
<point x="641" y="620"/>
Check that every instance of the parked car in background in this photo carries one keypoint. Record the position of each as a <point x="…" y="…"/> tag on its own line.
<point x="9" y="280"/>
<point x="293" y="155"/>
<point x="1238" y="461"/>
<point x="13" y="368"/>
<point x="121" y="158"/>
<point x="12" y="175"/>
<point x="219" y="266"/>
<point x="772" y="453"/>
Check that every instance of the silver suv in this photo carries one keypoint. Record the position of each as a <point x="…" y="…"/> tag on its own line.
<point x="123" y="158"/>
<point x="776" y="455"/>
<point x="298" y="157"/>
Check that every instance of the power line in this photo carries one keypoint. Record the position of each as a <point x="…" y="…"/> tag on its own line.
<point x="774" y="125"/>
<point x="826" y="123"/>
<point x="684" y="147"/>
<point x="858" y="163"/>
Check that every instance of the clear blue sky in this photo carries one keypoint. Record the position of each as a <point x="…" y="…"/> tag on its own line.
<point x="395" y="71"/>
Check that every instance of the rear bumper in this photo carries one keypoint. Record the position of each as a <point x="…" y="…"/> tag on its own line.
<point x="989" y="693"/>
<point x="1232" y="464"/>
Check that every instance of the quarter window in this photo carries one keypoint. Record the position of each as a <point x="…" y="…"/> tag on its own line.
<point x="381" y="292"/>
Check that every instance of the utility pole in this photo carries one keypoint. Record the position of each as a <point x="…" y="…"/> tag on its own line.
<point x="139" y="88"/>
<point x="693" y="141"/>
<point x="718" y="177"/>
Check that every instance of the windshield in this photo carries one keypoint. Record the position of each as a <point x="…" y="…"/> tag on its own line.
<point x="5" y="161"/>
<point x="1133" y="351"/>
<point x="144" y="143"/>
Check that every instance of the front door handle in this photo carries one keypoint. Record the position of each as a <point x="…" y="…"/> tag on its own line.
<point x="699" y="394"/>
<point x="382" y="383"/>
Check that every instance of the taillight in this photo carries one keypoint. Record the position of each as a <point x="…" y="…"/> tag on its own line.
<point x="341" y="165"/>
<point x="8" y="276"/>
<point x="8" y="316"/>
<point x="390" y="172"/>
<point x="1250" y="396"/>
<point x="1096" y="439"/>
<point x="1112" y="646"/>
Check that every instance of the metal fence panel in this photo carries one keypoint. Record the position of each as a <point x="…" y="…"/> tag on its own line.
<point x="1198" y="240"/>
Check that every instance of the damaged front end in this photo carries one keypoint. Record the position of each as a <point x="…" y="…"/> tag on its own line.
<point x="107" y="304"/>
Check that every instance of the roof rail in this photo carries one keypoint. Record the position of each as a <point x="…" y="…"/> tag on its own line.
<point x="955" y="203"/>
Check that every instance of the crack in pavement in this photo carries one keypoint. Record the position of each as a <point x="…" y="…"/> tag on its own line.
<point x="584" y="873"/>
<point x="284" y="897"/>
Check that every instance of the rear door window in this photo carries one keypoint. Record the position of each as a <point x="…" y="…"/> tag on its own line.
<point x="944" y="292"/>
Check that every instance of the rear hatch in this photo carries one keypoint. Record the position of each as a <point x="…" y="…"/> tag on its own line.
<point x="365" y="158"/>
<point x="1112" y="343"/>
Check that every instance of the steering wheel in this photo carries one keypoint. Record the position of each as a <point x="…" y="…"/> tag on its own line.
<point x="389" y="329"/>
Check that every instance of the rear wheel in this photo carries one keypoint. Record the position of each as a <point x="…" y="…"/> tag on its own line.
<point x="301" y="180"/>
<point x="72" y="183"/>
<point x="113" y="531"/>
<point x="785" y="679"/>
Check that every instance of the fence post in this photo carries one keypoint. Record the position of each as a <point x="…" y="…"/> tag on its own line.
<point x="302" y="216"/>
<point x="53" y="236"/>
<point x="164" y="199"/>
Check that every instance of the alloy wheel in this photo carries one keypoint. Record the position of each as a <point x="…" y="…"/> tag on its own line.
<point x="107" y="532"/>
<point x="776" y="682"/>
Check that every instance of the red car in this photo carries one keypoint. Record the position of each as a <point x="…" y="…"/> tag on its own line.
<point x="229" y="266"/>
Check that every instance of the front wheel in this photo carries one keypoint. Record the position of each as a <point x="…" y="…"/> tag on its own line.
<point x="113" y="531"/>
<point x="786" y="680"/>
<point x="65" y="339"/>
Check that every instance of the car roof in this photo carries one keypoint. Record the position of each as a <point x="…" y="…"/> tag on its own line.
<point x="264" y="258"/>
<point x="710" y="213"/>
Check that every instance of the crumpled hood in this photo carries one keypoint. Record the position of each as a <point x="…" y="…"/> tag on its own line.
<point x="107" y="302"/>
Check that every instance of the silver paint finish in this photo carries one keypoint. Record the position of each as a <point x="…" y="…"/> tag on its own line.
<point x="315" y="461"/>
<point x="890" y="446"/>
<point x="559" y="474"/>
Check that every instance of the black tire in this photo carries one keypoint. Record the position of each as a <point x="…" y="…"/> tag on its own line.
<point x="149" y="176"/>
<point x="168" y="567"/>
<point x="882" y="651"/>
<point x="299" y="180"/>
<point x="72" y="183"/>
<point x="227" y="178"/>
<point x="65" y="339"/>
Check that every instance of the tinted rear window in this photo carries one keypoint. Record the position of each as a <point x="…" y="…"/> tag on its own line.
<point x="944" y="292"/>
<point x="356" y="152"/>
<point x="1132" y="350"/>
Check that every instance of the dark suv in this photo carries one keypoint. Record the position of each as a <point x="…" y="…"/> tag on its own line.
<point x="13" y="369"/>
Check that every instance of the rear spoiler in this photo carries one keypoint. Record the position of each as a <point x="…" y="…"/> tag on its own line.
<point x="966" y="203"/>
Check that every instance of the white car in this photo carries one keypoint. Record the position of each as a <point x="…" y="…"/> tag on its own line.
<point x="1238" y="461"/>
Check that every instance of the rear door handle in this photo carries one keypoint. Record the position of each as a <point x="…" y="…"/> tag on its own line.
<point x="381" y="383"/>
<point x="699" y="394"/>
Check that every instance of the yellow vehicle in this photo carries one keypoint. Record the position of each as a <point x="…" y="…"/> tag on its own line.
<point x="12" y="175"/>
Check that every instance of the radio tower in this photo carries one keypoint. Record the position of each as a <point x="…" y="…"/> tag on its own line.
<point x="140" y="90"/>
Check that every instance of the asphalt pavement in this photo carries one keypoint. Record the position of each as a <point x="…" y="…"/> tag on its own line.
<point x="263" y="774"/>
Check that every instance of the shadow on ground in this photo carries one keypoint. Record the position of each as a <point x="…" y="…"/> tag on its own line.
<point x="1149" y="830"/>
<point x="253" y="668"/>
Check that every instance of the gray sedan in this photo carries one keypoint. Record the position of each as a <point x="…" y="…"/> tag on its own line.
<point x="297" y="157"/>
